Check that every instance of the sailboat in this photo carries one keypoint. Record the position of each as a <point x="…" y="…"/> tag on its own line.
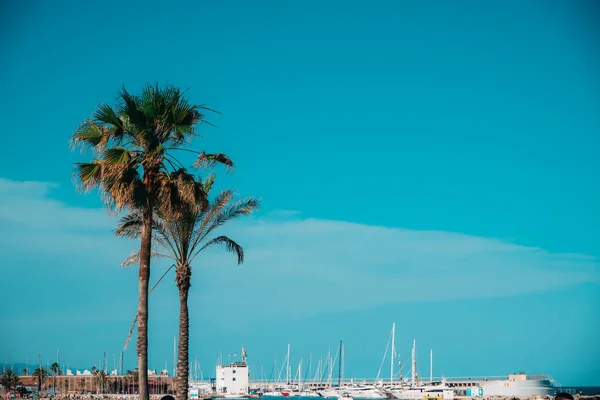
<point x="418" y="391"/>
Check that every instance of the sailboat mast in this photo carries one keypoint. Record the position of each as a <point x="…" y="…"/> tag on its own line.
<point x="340" y="365"/>
<point x="330" y="368"/>
<point x="393" y="353"/>
<point x="287" y="371"/>
<point x="342" y="359"/>
<point x="174" y="352"/>
<point x="431" y="366"/>
<point x="414" y="363"/>
<point x="300" y="376"/>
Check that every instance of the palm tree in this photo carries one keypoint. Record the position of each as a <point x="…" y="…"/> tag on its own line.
<point x="9" y="380"/>
<point x="131" y="377"/>
<point x="41" y="373"/>
<point x="132" y="156"/>
<point x="55" y="369"/>
<point x="100" y="378"/>
<point x="181" y="239"/>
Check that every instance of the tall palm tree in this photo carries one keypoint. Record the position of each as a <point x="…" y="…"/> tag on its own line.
<point x="182" y="239"/>
<point x="41" y="373"/>
<point x="55" y="370"/>
<point x="132" y="149"/>
<point x="9" y="380"/>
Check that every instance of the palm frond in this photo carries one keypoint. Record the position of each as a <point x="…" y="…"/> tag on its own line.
<point x="235" y="210"/>
<point x="88" y="134"/>
<point x="229" y="244"/>
<point x="204" y="219"/>
<point x="207" y="184"/>
<point x="117" y="156"/>
<point x="130" y="225"/>
<point x="208" y="161"/>
<point x="89" y="174"/>
<point x="134" y="257"/>
<point x="129" y="108"/>
<point x="104" y="114"/>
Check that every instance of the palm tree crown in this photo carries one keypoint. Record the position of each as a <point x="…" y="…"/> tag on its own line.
<point x="9" y="380"/>
<point x="133" y="148"/>
<point x="55" y="370"/>
<point x="41" y="373"/>
<point x="184" y="237"/>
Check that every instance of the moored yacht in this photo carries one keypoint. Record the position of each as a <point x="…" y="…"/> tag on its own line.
<point x="329" y="393"/>
<point x="437" y="392"/>
<point x="364" y="392"/>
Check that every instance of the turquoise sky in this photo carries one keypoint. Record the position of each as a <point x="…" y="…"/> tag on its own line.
<point x="430" y="163"/>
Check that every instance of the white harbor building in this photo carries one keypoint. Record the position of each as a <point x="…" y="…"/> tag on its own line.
<point x="232" y="379"/>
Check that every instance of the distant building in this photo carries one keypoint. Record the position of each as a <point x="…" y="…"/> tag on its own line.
<point x="233" y="378"/>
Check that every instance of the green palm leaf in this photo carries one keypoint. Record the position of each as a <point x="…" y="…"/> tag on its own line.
<point x="90" y="174"/>
<point x="229" y="244"/>
<point x="106" y="115"/>
<point x="117" y="156"/>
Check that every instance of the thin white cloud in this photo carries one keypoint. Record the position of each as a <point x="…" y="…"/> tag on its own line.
<point x="302" y="267"/>
<point x="283" y="213"/>
<point x="315" y="266"/>
<point x="31" y="220"/>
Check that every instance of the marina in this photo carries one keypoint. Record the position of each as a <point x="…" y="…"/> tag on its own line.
<point x="236" y="379"/>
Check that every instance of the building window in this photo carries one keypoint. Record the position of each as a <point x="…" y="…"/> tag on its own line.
<point x="234" y="371"/>
<point x="234" y="379"/>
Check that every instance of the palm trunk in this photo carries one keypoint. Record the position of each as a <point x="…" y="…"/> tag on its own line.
<point x="181" y="391"/>
<point x="144" y="278"/>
